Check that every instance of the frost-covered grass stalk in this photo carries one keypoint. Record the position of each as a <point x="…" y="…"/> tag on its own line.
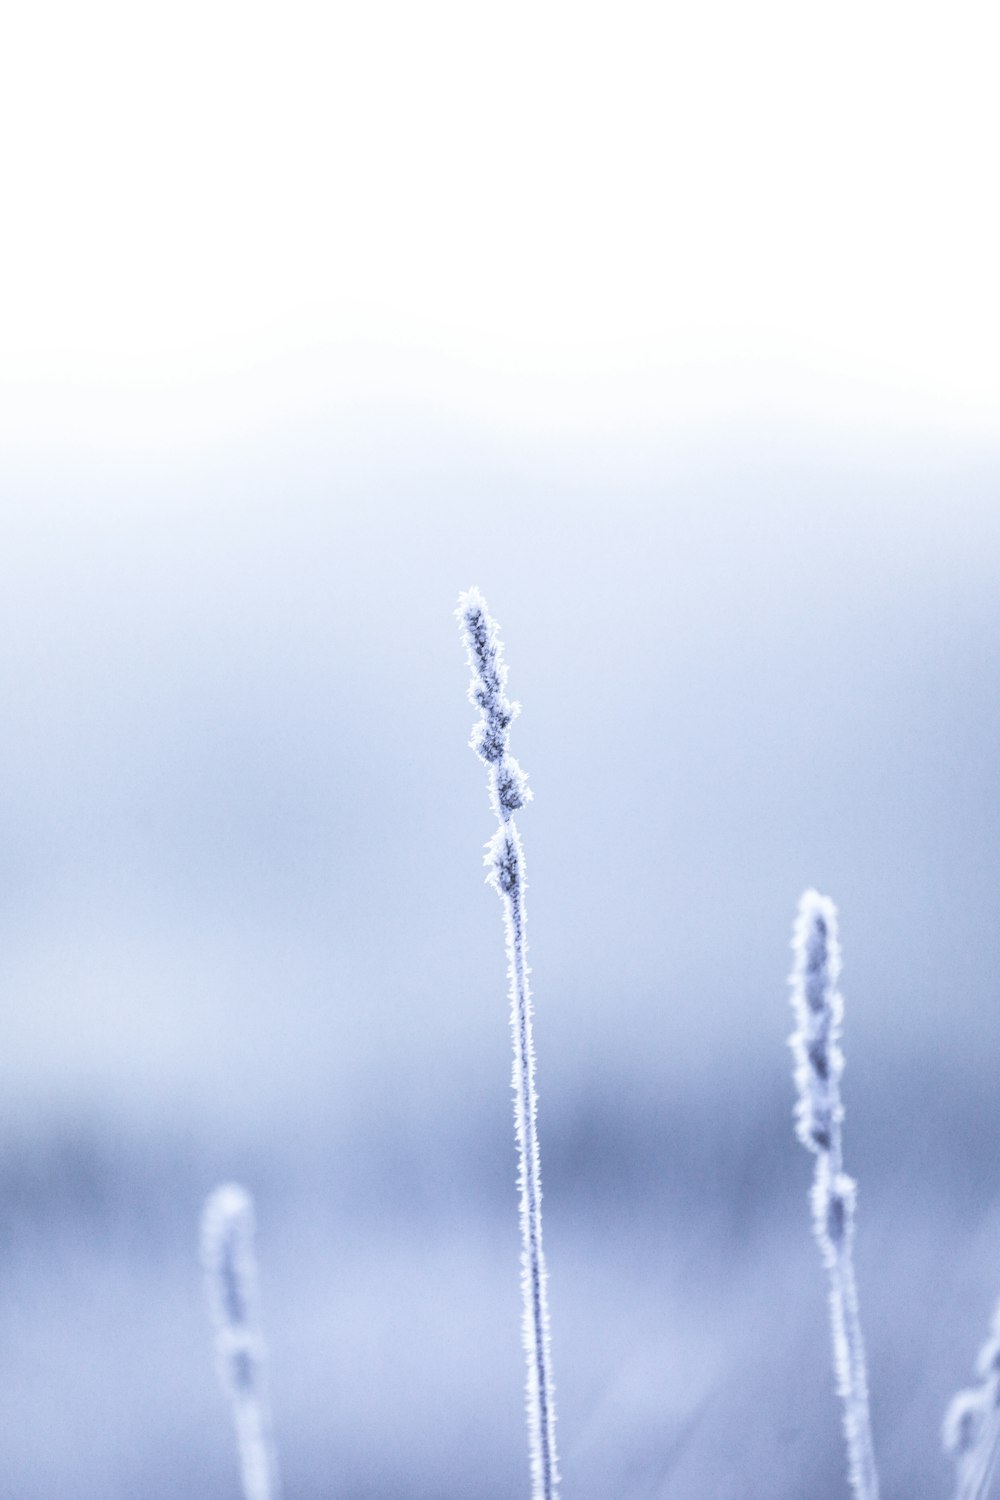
<point x="819" y="1063"/>
<point x="971" y="1432"/>
<point x="505" y="860"/>
<point x="227" y="1229"/>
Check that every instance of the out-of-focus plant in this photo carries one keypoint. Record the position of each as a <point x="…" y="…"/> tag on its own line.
<point x="971" y="1432"/>
<point x="227" y="1253"/>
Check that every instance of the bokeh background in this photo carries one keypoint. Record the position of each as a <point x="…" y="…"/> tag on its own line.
<point x="674" y="329"/>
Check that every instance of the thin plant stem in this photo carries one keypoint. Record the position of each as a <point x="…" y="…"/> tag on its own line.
<point x="819" y="1063"/>
<point x="509" y="791"/>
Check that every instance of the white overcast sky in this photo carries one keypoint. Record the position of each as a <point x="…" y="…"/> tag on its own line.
<point x="548" y="210"/>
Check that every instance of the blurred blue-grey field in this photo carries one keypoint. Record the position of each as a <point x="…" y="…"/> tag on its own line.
<point x="245" y="934"/>
<point x="673" y="329"/>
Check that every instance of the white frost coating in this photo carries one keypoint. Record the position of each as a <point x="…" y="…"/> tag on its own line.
<point x="819" y="1063"/>
<point x="227" y="1229"/>
<point x="509" y="791"/>
<point x="971" y="1430"/>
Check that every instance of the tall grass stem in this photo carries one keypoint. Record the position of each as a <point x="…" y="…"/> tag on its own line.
<point x="819" y="1062"/>
<point x="509" y="791"/>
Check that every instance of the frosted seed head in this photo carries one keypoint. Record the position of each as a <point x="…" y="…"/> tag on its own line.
<point x="471" y="611"/>
<point x="840" y="1209"/>
<point x="227" y="1229"/>
<point x="481" y="697"/>
<point x="814" y="1124"/>
<point x="488" y="691"/>
<point x="480" y="632"/>
<point x="833" y="1204"/>
<point x="503" y="861"/>
<point x="240" y="1357"/>
<point x="489" y="740"/>
<point x="511" y="789"/>
<point x="963" y="1422"/>
<point x="818" y="1111"/>
<point x="818" y="1009"/>
<point x="227" y="1255"/>
<point x="817" y="949"/>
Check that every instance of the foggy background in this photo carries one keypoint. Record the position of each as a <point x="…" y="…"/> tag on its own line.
<point x="676" y="335"/>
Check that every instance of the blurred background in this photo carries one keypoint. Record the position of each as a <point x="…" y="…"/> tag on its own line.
<point x="674" y="329"/>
